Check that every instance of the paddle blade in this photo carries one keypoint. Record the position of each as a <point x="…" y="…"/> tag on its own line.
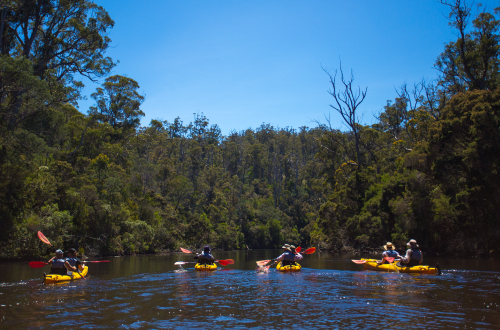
<point x="180" y="263"/>
<point x="43" y="238"/>
<point x="310" y="250"/>
<point x="359" y="261"/>
<point x="389" y="259"/>
<point x="98" y="261"/>
<point x="37" y="264"/>
<point x="298" y="249"/>
<point x="185" y="251"/>
<point x="226" y="262"/>
<point x="262" y="262"/>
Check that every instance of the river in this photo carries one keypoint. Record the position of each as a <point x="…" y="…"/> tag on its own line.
<point x="331" y="292"/>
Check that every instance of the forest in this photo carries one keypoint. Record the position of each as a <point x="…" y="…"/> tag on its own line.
<point x="96" y="180"/>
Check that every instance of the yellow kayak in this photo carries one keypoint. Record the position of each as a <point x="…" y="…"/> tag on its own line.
<point x="53" y="278"/>
<point x="205" y="266"/>
<point x="393" y="267"/>
<point x="288" y="268"/>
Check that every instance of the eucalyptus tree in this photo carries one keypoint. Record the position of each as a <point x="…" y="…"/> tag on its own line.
<point x="472" y="61"/>
<point x="347" y="100"/>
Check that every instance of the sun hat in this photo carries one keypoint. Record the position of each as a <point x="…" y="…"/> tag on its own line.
<point x="206" y="248"/>
<point x="389" y="245"/>
<point x="286" y="247"/>
<point x="412" y="242"/>
<point x="59" y="251"/>
<point x="71" y="250"/>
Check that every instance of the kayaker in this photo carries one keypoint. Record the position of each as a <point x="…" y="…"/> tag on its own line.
<point x="413" y="255"/>
<point x="59" y="265"/>
<point x="73" y="260"/>
<point x="289" y="256"/>
<point x="390" y="252"/>
<point x="205" y="258"/>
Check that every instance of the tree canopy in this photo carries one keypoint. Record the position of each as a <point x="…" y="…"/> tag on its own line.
<point x="426" y="169"/>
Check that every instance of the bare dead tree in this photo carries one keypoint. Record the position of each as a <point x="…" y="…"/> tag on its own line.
<point x="347" y="100"/>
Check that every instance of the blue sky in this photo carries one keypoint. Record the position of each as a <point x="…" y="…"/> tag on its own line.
<point x="244" y="63"/>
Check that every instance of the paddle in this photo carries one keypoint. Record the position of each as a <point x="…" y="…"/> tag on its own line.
<point x="225" y="262"/>
<point x="186" y="251"/>
<point x="38" y="264"/>
<point x="308" y="251"/>
<point x="222" y="262"/>
<point x="44" y="239"/>
<point x="389" y="259"/>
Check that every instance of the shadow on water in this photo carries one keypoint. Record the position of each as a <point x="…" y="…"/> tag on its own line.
<point x="150" y="292"/>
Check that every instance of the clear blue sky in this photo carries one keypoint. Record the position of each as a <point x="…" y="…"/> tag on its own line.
<point x="244" y="63"/>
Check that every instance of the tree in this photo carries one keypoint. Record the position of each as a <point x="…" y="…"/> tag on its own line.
<point x="61" y="36"/>
<point x="471" y="62"/>
<point x="347" y="101"/>
<point x="118" y="104"/>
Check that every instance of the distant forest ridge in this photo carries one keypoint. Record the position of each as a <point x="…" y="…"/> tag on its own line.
<point x="428" y="169"/>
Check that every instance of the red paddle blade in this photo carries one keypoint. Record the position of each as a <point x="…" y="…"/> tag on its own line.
<point x="389" y="259"/>
<point x="359" y="261"/>
<point x="226" y="262"/>
<point x="310" y="250"/>
<point x="185" y="251"/>
<point x="298" y="249"/>
<point x="43" y="238"/>
<point x="262" y="262"/>
<point x="37" y="264"/>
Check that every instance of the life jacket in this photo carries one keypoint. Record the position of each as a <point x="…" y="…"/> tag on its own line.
<point x="205" y="258"/>
<point x="416" y="254"/>
<point x="415" y="258"/>
<point x="391" y="253"/>
<point x="73" y="261"/>
<point x="58" y="267"/>
<point x="289" y="259"/>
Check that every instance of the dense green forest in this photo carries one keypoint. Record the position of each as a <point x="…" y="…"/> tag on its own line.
<point x="429" y="168"/>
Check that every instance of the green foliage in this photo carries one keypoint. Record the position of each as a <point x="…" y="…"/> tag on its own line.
<point x="428" y="169"/>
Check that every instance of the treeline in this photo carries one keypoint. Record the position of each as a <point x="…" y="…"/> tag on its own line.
<point x="427" y="169"/>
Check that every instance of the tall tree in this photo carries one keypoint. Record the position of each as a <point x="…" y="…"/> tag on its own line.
<point x="347" y="100"/>
<point x="472" y="61"/>
<point x="118" y="104"/>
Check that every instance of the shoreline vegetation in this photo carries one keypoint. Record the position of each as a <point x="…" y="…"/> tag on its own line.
<point x="428" y="169"/>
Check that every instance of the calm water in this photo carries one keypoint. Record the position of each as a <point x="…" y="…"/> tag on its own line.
<point x="150" y="292"/>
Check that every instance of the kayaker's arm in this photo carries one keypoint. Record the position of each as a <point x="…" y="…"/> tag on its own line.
<point x="281" y="257"/>
<point x="407" y="257"/>
<point x="298" y="257"/>
<point x="51" y="260"/>
<point x="80" y="265"/>
<point x="69" y="267"/>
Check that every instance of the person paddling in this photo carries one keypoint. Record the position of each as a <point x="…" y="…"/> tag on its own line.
<point x="73" y="260"/>
<point x="390" y="252"/>
<point x="413" y="255"/>
<point x="59" y="265"/>
<point x="289" y="256"/>
<point x="205" y="258"/>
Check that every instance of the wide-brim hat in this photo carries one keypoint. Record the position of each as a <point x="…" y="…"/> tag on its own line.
<point x="412" y="242"/>
<point x="286" y="247"/>
<point x="58" y="251"/>
<point x="388" y="246"/>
